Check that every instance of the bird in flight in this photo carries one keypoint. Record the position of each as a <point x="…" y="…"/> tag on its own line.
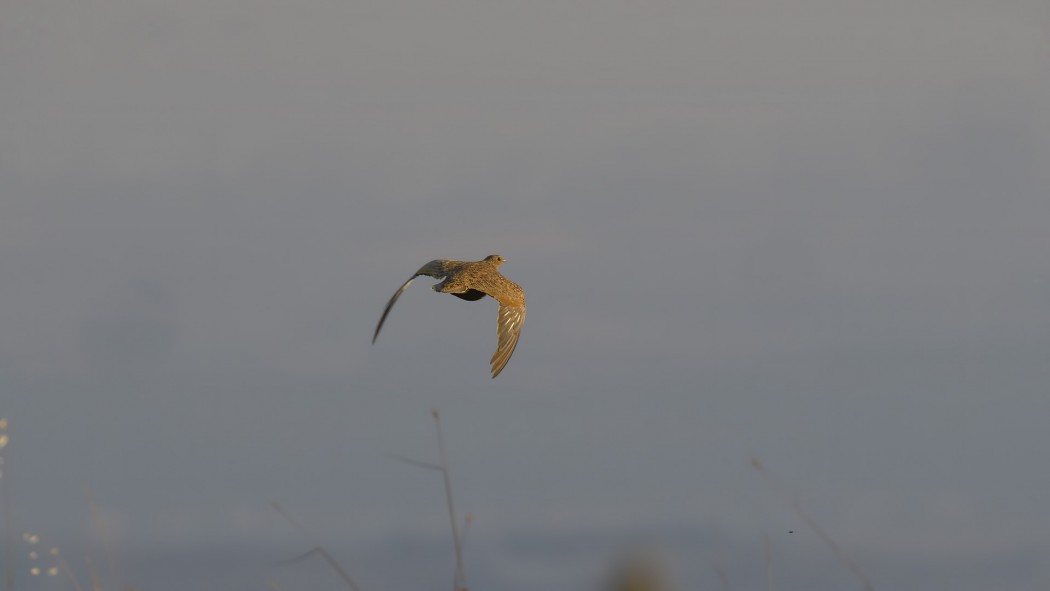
<point x="471" y="281"/>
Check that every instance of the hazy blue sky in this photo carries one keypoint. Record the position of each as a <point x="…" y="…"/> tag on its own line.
<point x="816" y="232"/>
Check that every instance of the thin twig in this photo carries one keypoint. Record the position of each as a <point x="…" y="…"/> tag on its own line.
<point x="300" y="558"/>
<point x="716" y="565"/>
<point x="64" y="567"/>
<point x="459" y="582"/>
<point x="317" y="548"/>
<point x="466" y="527"/>
<point x="767" y="552"/>
<point x="416" y="463"/>
<point x="461" y="577"/>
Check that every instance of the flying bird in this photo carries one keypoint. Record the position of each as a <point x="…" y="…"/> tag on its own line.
<point x="471" y="281"/>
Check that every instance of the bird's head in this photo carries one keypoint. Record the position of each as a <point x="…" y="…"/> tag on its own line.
<point x="495" y="259"/>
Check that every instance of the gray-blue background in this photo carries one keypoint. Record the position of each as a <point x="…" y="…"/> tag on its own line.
<point x="815" y="232"/>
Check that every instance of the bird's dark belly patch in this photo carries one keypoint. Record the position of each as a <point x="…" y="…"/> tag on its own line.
<point x="471" y="295"/>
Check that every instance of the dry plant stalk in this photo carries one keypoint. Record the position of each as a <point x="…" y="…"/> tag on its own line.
<point x="316" y="549"/>
<point x="459" y="582"/>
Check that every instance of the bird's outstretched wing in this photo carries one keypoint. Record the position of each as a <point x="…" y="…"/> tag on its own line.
<point x="436" y="268"/>
<point x="511" y="314"/>
<point x="390" y="305"/>
<point x="508" y="328"/>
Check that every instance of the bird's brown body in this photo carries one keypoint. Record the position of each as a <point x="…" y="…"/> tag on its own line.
<point x="473" y="280"/>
